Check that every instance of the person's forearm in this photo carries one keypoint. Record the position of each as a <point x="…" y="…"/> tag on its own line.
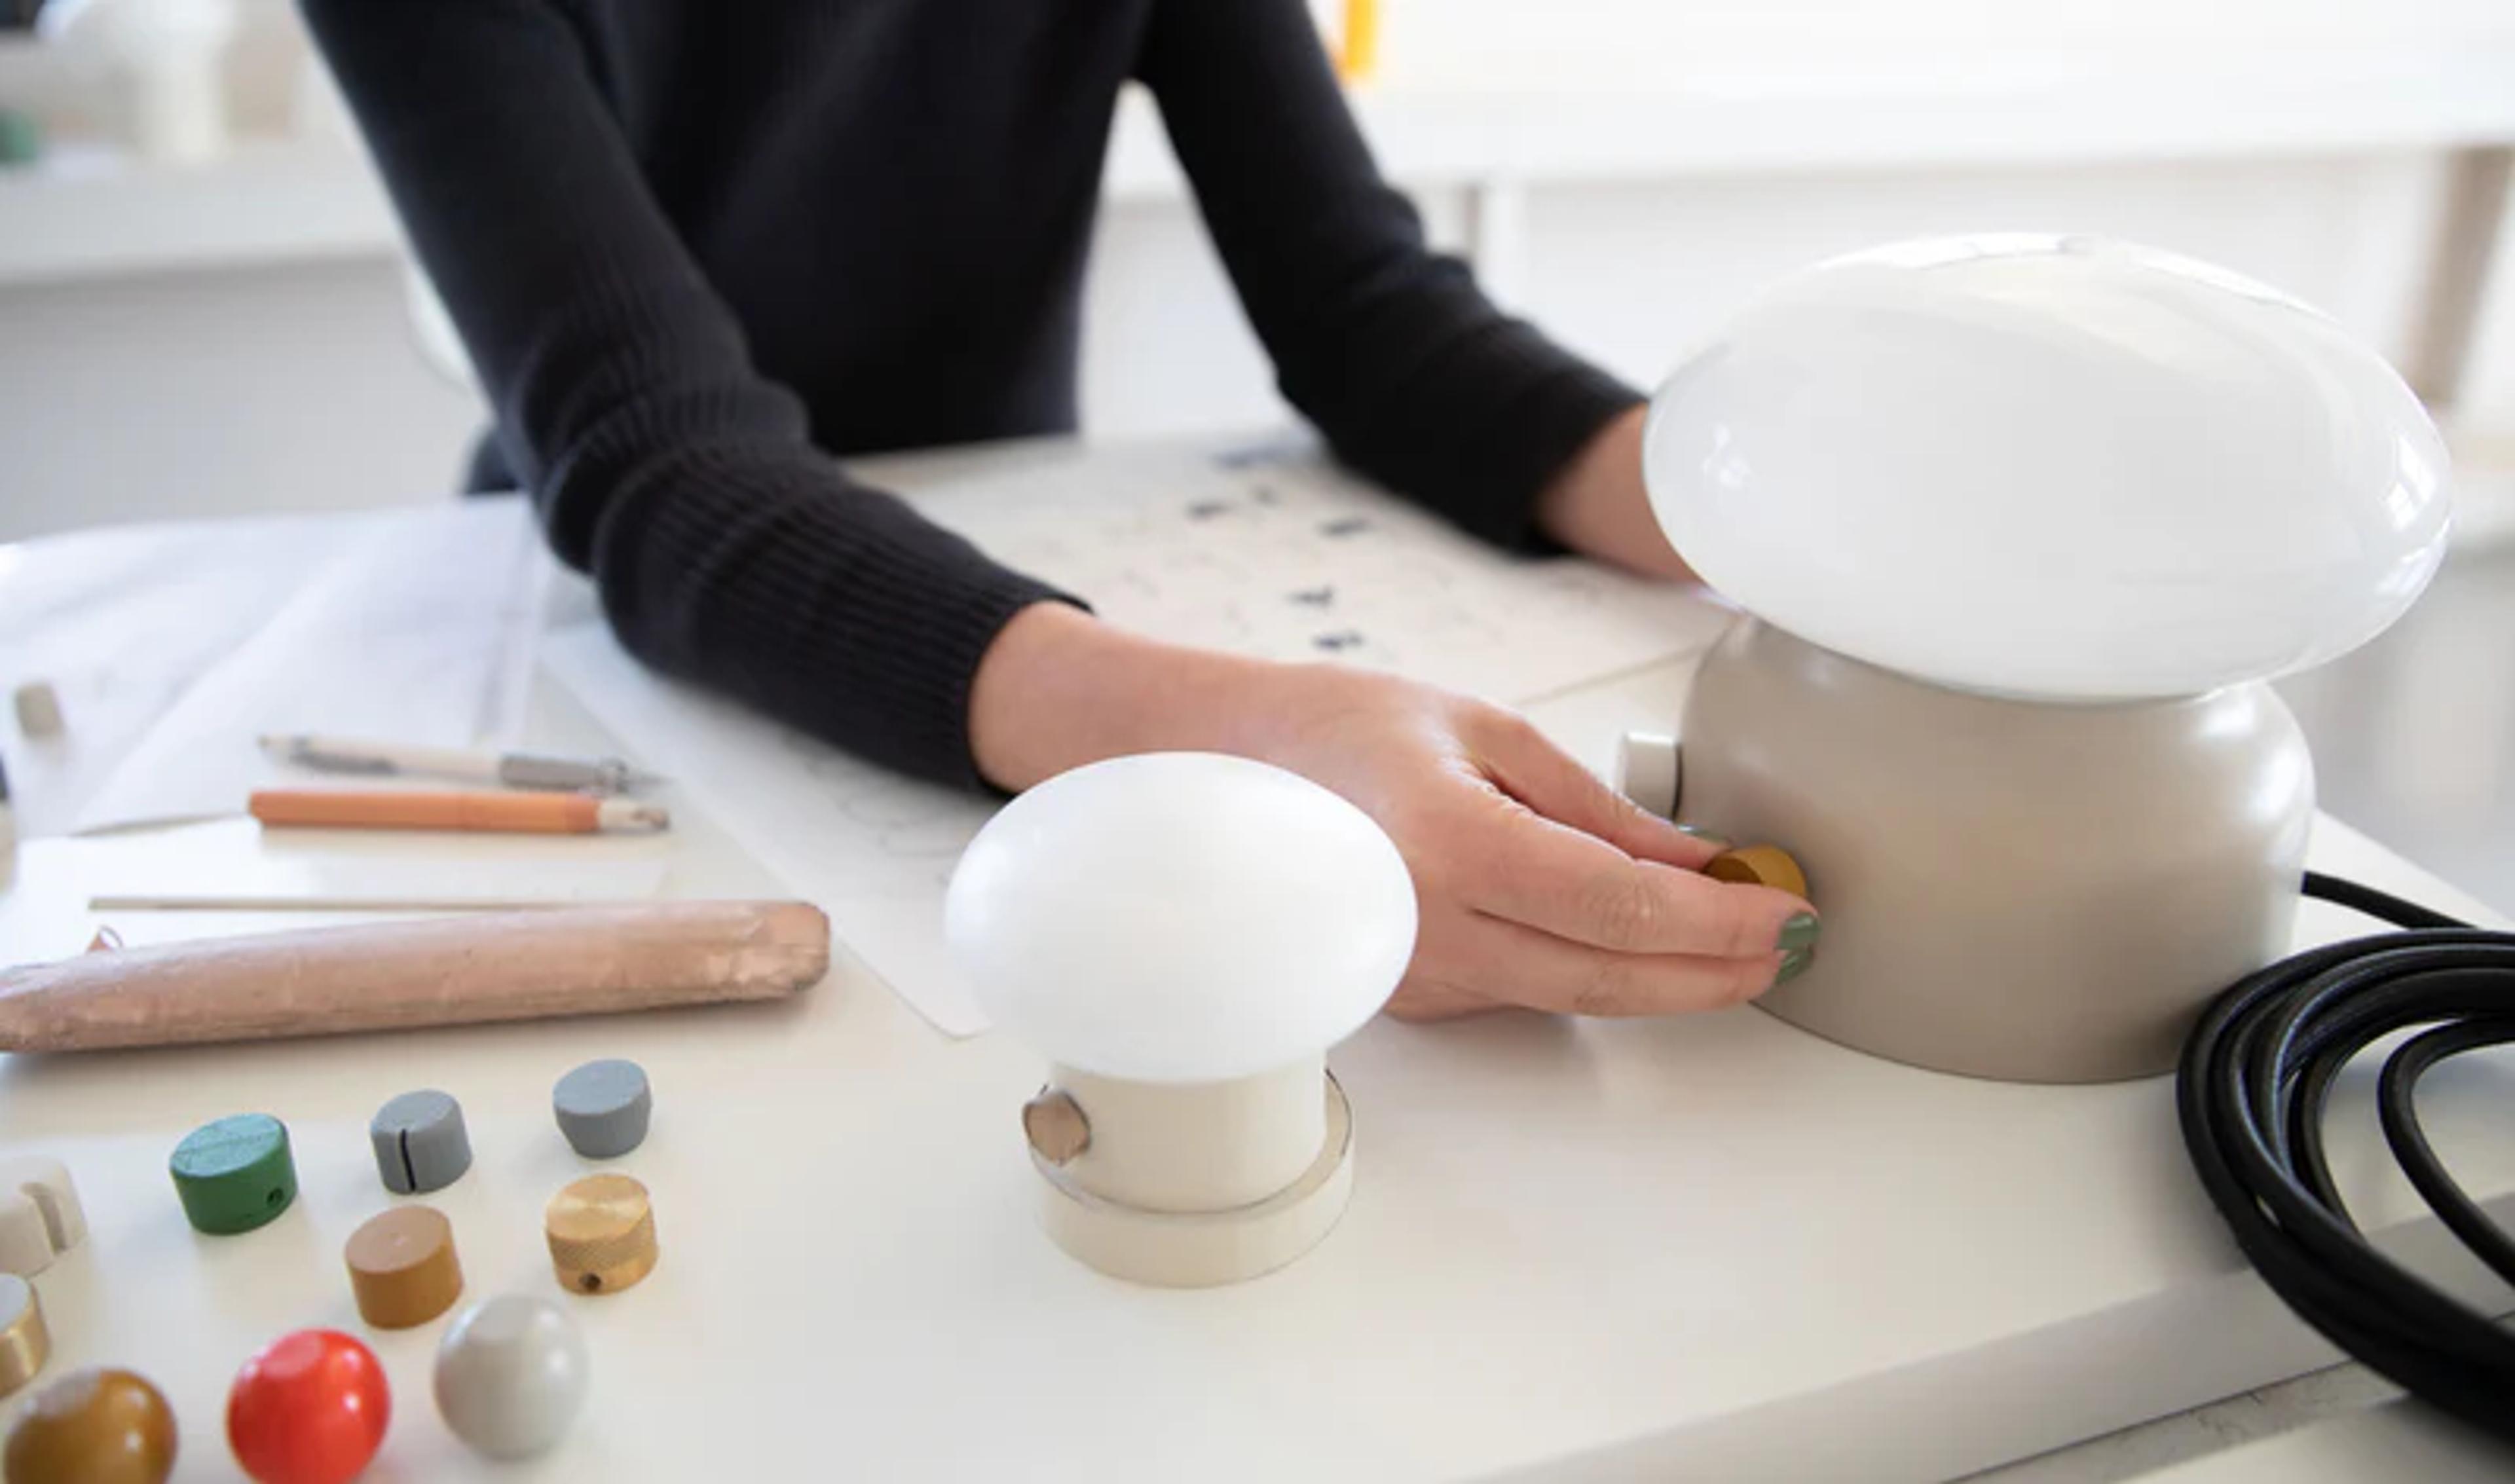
<point x="1060" y="688"/>
<point x="1595" y="505"/>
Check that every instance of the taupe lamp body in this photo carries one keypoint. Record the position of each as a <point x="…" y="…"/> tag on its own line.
<point x="2025" y="525"/>
<point x="2027" y="891"/>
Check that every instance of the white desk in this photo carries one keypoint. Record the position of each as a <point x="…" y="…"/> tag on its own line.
<point x="1705" y="1246"/>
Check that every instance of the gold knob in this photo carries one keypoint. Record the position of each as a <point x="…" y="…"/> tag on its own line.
<point x="1760" y="866"/>
<point x="24" y="1343"/>
<point x="402" y="1268"/>
<point x="92" y="1428"/>
<point x="602" y="1232"/>
<point x="1055" y="1127"/>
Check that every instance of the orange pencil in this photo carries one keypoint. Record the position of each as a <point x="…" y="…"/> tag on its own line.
<point x="533" y="813"/>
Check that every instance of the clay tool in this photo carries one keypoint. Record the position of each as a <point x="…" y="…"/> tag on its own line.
<point x="521" y="770"/>
<point x="398" y="976"/>
<point x="523" y="814"/>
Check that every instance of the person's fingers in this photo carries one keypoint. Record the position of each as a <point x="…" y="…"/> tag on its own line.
<point x="1498" y="856"/>
<point x="1552" y="782"/>
<point x="1423" y="997"/>
<point x="1505" y="963"/>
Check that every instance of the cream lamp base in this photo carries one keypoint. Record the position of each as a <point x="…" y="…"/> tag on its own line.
<point x="1203" y="1249"/>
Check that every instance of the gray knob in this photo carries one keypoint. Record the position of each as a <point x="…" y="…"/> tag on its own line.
<point x="603" y="1107"/>
<point x="420" y="1143"/>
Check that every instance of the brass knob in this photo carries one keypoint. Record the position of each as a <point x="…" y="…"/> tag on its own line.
<point x="1760" y="866"/>
<point x="1055" y="1127"/>
<point x="24" y="1343"/>
<point x="602" y="1232"/>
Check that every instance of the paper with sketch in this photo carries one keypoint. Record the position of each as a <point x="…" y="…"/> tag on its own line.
<point x="1273" y="552"/>
<point x="419" y="627"/>
<point x="1265" y="551"/>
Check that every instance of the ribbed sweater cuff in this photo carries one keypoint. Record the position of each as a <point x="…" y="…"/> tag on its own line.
<point x="839" y="611"/>
<point x="1532" y="437"/>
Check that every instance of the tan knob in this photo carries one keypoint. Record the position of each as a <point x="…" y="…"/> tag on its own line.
<point x="1054" y="1123"/>
<point x="24" y="1343"/>
<point x="402" y="1268"/>
<point x="602" y="1232"/>
<point x="1760" y="866"/>
<point x="92" y="1428"/>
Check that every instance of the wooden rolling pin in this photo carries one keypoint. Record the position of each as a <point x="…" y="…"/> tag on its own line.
<point x="380" y="977"/>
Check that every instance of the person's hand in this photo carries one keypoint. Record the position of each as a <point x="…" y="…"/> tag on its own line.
<point x="1538" y="886"/>
<point x="1597" y="506"/>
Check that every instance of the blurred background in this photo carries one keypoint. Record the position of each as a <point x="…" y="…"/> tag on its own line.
<point x="205" y="308"/>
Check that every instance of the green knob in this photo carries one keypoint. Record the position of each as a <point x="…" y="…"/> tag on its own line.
<point x="234" y="1175"/>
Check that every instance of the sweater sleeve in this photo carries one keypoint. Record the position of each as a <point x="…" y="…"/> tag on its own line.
<point x="728" y="550"/>
<point x="1412" y="375"/>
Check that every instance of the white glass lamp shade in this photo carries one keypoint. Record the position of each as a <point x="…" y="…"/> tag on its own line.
<point x="2050" y="468"/>
<point x="1181" y="918"/>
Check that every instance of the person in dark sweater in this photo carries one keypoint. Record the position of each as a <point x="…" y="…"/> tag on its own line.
<point x="697" y="251"/>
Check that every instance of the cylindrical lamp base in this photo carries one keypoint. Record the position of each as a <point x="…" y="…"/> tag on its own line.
<point x="1201" y="1249"/>
<point x="2015" y="890"/>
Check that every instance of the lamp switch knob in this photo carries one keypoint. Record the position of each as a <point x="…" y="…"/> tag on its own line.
<point x="1055" y="1126"/>
<point x="1760" y="866"/>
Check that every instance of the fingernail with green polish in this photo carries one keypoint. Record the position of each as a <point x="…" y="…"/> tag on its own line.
<point x="1706" y="836"/>
<point x="1794" y="963"/>
<point x="1799" y="930"/>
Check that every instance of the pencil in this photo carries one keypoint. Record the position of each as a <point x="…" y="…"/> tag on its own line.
<point x="522" y="812"/>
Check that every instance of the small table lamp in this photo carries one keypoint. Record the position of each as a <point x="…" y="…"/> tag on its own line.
<point x="1182" y="936"/>
<point x="2022" y="525"/>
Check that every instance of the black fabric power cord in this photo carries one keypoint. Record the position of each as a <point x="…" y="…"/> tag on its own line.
<point x="2251" y="1091"/>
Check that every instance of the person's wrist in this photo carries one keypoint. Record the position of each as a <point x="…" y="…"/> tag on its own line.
<point x="1597" y="505"/>
<point x="1060" y="688"/>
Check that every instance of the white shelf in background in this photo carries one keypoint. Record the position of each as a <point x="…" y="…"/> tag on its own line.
<point x="97" y="215"/>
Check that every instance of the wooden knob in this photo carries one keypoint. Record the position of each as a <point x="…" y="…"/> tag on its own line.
<point x="25" y="1344"/>
<point x="602" y="1232"/>
<point x="1760" y="866"/>
<point x="1054" y="1123"/>
<point x="402" y="1268"/>
<point x="92" y="1428"/>
<point x="40" y="1215"/>
<point x="234" y="1175"/>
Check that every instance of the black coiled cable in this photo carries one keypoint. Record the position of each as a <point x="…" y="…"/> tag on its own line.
<point x="2250" y="1092"/>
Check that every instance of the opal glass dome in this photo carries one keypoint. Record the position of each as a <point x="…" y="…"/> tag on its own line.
<point x="2056" y="468"/>
<point x="1181" y="917"/>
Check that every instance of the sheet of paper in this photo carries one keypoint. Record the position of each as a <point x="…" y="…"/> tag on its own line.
<point x="1265" y="551"/>
<point x="1271" y="551"/>
<point x="235" y="860"/>
<point x="119" y="623"/>
<point x="49" y="911"/>
<point x="418" y="628"/>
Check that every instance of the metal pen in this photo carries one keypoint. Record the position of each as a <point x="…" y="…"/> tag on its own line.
<point x="524" y="770"/>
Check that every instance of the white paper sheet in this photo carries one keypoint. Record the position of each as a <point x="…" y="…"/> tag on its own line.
<point x="1266" y="552"/>
<point x="418" y="627"/>
<point x="120" y="622"/>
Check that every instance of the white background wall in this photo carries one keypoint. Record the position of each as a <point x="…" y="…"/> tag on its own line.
<point x="298" y="386"/>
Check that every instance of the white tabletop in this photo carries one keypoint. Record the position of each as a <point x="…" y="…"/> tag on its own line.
<point x="1713" y="1246"/>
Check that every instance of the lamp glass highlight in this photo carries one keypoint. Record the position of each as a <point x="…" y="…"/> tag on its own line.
<point x="2050" y="468"/>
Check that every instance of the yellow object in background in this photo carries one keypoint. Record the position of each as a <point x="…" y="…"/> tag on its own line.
<point x="1359" y="52"/>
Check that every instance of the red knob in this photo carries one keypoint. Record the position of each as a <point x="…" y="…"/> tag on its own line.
<point x="311" y="1408"/>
